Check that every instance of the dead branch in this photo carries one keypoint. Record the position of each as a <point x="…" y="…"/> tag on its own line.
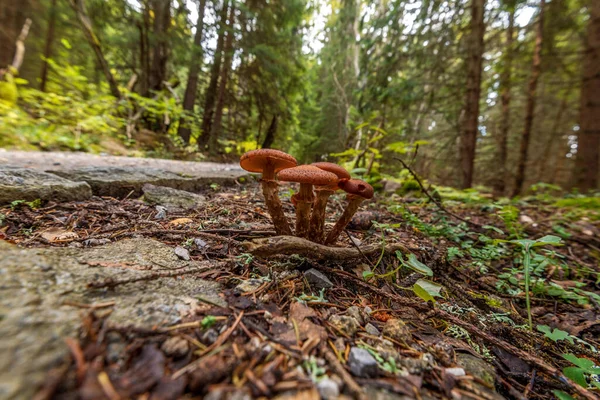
<point x="280" y="245"/>
<point x="433" y="199"/>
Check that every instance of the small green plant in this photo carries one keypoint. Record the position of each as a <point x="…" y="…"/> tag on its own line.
<point x="208" y="321"/>
<point x="585" y="372"/>
<point x="215" y="187"/>
<point x="388" y="365"/>
<point x="37" y="203"/>
<point x="527" y="245"/>
<point x="557" y="335"/>
<point x="244" y="259"/>
<point x="314" y="372"/>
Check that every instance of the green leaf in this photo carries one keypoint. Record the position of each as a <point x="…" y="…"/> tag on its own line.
<point x="555" y="334"/>
<point x="576" y="375"/>
<point x="427" y="290"/>
<point x="367" y="274"/>
<point x="208" y="321"/>
<point x="414" y="264"/>
<point x="66" y="43"/>
<point x="495" y="229"/>
<point x="580" y="362"/>
<point x="548" y="239"/>
<point x="562" y="395"/>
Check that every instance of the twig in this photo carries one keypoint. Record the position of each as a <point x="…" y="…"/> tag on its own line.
<point x="357" y="247"/>
<point x="341" y="371"/>
<point x="110" y="282"/>
<point x="285" y="245"/>
<point x="433" y="199"/>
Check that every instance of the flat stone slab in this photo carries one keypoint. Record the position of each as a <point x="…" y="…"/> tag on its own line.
<point x="18" y="183"/>
<point x="122" y="181"/>
<point x="36" y="283"/>
<point x="170" y="198"/>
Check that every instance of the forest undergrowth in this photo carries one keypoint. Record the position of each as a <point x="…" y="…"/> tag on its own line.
<point x="516" y="284"/>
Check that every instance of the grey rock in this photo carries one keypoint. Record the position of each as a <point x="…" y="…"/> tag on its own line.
<point x="121" y="181"/>
<point x="317" y="279"/>
<point x="391" y="186"/>
<point x="372" y="330"/>
<point x="362" y="363"/>
<point x="175" y="347"/>
<point x="172" y="199"/>
<point x="26" y="184"/>
<point x="481" y="369"/>
<point x="249" y="285"/>
<point x="161" y="212"/>
<point x="200" y="243"/>
<point x="397" y="330"/>
<point x="34" y="321"/>
<point x="356" y="313"/>
<point x="115" y="352"/>
<point x="182" y="253"/>
<point x="210" y="336"/>
<point x="328" y="389"/>
<point x="345" y="324"/>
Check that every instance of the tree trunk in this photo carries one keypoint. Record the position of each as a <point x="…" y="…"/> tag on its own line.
<point x="160" y="46"/>
<point x="12" y="18"/>
<point x="189" y="98"/>
<point x="531" y="99"/>
<point x="505" y="85"/>
<point x="588" y="145"/>
<point x="222" y="94"/>
<point x="48" y="46"/>
<point x="86" y="25"/>
<point x="271" y="132"/>
<point x="144" y="27"/>
<point x="545" y="161"/>
<point x="211" y="91"/>
<point x="468" y="138"/>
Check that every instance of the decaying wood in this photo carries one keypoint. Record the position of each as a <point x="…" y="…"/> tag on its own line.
<point x="285" y="245"/>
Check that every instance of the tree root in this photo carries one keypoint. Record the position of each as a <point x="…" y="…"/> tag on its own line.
<point x="286" y="245"/>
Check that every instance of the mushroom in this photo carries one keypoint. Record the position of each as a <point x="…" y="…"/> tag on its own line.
<point x="317" y="218"/>
<point x="357" y="192"/>
<point x="306" y="176"/>
<point x="269" y="162"/>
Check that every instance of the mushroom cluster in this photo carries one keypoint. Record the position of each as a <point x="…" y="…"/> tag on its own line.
<point x="318" y="181"/>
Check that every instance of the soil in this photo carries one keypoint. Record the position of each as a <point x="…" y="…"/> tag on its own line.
<point x="295" y="324"/>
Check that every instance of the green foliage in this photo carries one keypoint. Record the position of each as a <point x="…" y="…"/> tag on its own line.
<point x="582" y="372"/>
<point x="586" y="203"/>
<point x="554" y="335"/>
<point x="208" y="321"/>
<point x="427" y="290"/>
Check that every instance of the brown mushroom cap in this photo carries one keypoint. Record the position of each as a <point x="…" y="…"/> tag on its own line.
<point x="257" y="160"/>
<point x="357" y="187"/>
<point x="307" y="174"/>
<point x="334" y="168"/>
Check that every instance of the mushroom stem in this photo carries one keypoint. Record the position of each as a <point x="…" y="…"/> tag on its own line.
<point x="317" y="217"/>
<point x="340" y="225"/>
<point x="280" y="222"/>
<point x="304" y="201"/>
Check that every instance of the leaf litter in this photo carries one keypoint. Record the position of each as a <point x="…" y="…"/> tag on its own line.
<point x="447" y="307"/>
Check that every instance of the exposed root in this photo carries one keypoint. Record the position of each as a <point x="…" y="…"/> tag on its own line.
<point x="280" y="245"/>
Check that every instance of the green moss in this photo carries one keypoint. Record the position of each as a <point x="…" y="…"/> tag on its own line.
<point x="588" y="203"/>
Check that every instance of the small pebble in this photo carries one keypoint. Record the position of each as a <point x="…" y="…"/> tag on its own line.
<point x="317" y="279"/>
<point x="328" y="389"/>
<point x="345" y="324"/>
<point x="362" y="363"/>
<point x="175" y="347"/>
<point x="355" y="313"/>
<point x="182" y="253"/>
<point x="372" y="330"/>
<point x="161" y="212"/>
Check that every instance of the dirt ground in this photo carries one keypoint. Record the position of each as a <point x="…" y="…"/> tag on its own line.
<point x="304" y="321"/>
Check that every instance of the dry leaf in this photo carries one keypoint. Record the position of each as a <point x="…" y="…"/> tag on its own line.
<point x="180" y="221"/>
<point x="55" y="235"/>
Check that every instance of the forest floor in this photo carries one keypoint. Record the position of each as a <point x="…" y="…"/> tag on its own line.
<point x="298" y="320"/>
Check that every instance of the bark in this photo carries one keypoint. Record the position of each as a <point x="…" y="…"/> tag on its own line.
<point x="545" y="161"/>
<point x="144" y="27"/>
<point x="12" y="18"/>
<point x="189" y="98"/>
<point x="160" y="53"/>
<point x="469" y="129"/>
<point x="86" y="25"/>
<point x="531" y="100"/>
<point x="216" y="127"/>
<point x="505" y="85"/>
<point x="211" y="91"/>
<point x="587" y="161"/>
<point x="48" y="46"/>
<point x="271" y="132"/>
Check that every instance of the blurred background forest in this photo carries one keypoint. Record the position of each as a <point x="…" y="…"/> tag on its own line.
<point x="502" y="94"/>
